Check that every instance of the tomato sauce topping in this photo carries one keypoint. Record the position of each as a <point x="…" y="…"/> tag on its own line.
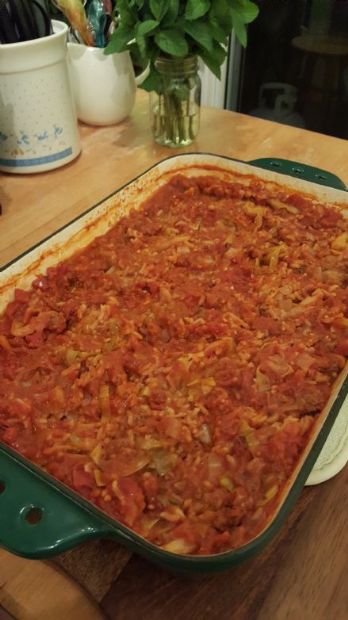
<point x="172" y="371"/>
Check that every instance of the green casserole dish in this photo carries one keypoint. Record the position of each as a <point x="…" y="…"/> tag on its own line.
<point x="39" y="516"/>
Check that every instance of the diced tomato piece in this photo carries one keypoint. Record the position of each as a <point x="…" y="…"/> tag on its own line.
<point x="133" y="502"/>
<point x="81" y="479"/>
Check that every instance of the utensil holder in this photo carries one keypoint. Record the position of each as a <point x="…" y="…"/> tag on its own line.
<point x="38" y="125"/>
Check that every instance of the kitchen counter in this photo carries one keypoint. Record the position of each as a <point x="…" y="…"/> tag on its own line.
<point x="302" y="574"/>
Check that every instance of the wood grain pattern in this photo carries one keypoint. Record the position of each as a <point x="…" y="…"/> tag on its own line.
<point x="302" y="574"/>
<point x="31" y="590"/>
<point x="95" y="565"/>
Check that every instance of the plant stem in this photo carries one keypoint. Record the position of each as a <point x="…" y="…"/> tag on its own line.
<point x="175" y="118"/>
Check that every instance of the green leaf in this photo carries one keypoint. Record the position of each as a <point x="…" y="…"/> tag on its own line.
<point x="141" y="43"/>
<point x="247" y="10"/>
<point x="239" y="28"/>
<point x="172" y="42"/>
<point x="219" y="52"/>
<point x="217" y="31"/>
<point x="128" y="14"/>
<point x="146" y="27"/>
<point x="229" y="15"/>
<point x="221" y="10"/>
<point x="172" y="13"/>
<point x="158" y="8"/>
<point x="212" y="64"/>
<point x="196" y="9"/>
<point x="137" y="59"/>
<point x="119" y="40"/>
<point x="200" y="31"/>
<point x="215" y="58"/>
<point x="153" y="81"/>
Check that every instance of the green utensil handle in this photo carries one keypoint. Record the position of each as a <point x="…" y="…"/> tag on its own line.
<point x="38" y="520"/>
<point x="300" y="171"/>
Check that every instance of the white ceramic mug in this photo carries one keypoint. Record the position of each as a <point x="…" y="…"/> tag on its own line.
<point x="38" y="125"/>
<point x="104" y="86"/>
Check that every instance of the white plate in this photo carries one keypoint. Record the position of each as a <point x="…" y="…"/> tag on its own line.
<point x="334" y="455"/>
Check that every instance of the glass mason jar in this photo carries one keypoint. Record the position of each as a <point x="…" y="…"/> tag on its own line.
<point x="175" y="108"/>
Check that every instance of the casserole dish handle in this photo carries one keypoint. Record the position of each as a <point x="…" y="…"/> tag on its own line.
<point x="39" y="520"/>
<point x="300" y="171"/>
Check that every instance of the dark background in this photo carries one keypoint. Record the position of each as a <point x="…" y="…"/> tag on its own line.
<point x="320" y="77"/>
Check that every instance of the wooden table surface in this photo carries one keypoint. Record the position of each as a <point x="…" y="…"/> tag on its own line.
<point x="302" y="574"/>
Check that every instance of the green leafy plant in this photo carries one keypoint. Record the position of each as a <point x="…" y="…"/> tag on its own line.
<point x="167" y="36"/>
<point x="177" y="29"/>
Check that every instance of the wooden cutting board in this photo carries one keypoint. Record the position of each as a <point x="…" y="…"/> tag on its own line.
<point x="31" y="590"/>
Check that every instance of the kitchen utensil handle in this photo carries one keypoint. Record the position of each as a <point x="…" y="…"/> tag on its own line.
<point x="300" y="171"/>
<point x="39" y="520"/>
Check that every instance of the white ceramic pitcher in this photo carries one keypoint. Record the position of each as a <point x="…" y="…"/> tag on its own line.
<point x="38" y="125"/>
<point x="104" y="86"/>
